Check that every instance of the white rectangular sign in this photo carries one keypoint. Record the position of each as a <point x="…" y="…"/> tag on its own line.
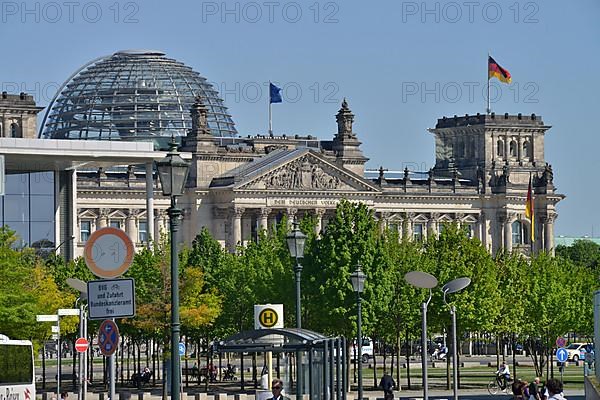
<point x="55" y="329"/>
<point x="111" y="298"/>
<point x="46" y="318"/>
<point x="68" y="311"/>
<point x="55" y="336"/>
<point x="268" y="316"/>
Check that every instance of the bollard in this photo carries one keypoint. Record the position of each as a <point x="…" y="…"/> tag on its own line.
<point x="240" y="397"/>
<point x="102" y="396"/>
<point x="124" y="396"/>
<point x="221" y="396"/>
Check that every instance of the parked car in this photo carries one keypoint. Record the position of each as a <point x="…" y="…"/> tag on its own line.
<point x="366" y="351"/>
<point x="575" y="351"/>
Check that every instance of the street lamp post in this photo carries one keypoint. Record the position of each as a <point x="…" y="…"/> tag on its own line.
<point x="296" y="241"/>
<point x="423" y="280"/>
<point x="172" y="172"/>
<point x="358" y="284"/>
<point x="81" y="287"/>
<point x="453" y="287"/>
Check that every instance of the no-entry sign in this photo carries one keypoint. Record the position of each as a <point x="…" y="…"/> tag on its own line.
<point x="81" y="345"/>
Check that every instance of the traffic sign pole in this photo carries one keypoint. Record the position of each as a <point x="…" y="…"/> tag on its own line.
<point x="113" y="373"/>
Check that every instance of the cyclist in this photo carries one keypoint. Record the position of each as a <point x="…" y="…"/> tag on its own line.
<point x="503" y="375"/>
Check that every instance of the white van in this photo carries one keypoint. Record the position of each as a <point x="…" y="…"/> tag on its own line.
<point x="366" y="352"/>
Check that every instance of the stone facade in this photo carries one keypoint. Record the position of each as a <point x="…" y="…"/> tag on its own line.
<point x="18" y="115"/>
<point x="238" y="186"/>
<point x="483" y="162"/>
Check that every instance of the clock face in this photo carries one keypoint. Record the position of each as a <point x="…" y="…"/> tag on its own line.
<point x="108" y="252"/>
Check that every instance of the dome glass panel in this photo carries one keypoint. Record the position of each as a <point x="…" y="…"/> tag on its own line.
<point x="133" y="95"/>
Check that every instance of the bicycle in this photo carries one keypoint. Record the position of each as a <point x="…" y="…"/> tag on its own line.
<point x="494" y="387"/>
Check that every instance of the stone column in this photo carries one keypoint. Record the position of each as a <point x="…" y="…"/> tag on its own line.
<point x="102" y="221"/>
<point x="291" y="214"/>
<point x="432" y="225"/>
<point x="507" y="234"/>
<point x="319" y="212"/>
<point x="6" y="127"/>
<point x="237" y="226"/>
<point x="130" y="227"/>
<point x="480" y="232"/>
<point x="549" y="233"/>
<point x="383" y="221"/>
<point x="400" y="227"/>
<point x="408" y="221"/>
<point x="150" y="205"/>
<point x="263" y="222"/>
<point x="506" y="147"/>
<point x="158" y="224"/>
<point x="520" y="149"/>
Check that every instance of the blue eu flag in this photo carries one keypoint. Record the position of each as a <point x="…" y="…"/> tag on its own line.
<point x="274" y="94"/>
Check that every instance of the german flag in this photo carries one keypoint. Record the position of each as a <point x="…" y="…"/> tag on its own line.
<point x="529" y="210"/>
<point x="495" y="70"/>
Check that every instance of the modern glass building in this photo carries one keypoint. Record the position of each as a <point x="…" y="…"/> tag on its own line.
<point x="133" y="95"/>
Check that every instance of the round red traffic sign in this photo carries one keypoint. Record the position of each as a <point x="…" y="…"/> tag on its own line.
<point x="81" y="345"/>
<point x="561" y="342"/>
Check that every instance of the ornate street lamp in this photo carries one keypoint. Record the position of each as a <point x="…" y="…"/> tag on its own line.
<point x="358" y="284"/>
<point x="423" y="280"/>
<point x="173" y="171"/>
<point x="453" y="287"/>
<point x="296" y="241"/>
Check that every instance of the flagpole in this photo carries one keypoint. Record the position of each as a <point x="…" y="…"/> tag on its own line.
<point x="270" y="120"/>
<point x="489" y="108"/>
<point x="532" y="215"/>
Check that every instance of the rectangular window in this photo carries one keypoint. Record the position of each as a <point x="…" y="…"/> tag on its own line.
<point x="143" y="231"/>
<point x="115" y="223"/>
<point x="418" y="232"/>
<point x="441" y="227"/>
<point x="85" y="230"/>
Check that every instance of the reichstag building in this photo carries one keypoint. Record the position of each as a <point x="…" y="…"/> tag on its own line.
<point x="240" y="185"/>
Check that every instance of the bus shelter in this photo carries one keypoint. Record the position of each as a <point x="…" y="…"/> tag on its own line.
<point x="299" y="351"/>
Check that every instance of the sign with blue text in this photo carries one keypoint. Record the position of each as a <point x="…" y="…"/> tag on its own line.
<point x="181" y="349"/>
<point x="111" y="298"/>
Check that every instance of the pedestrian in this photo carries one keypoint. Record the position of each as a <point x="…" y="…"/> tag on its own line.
<point x="64" y="396"/>
<point x="503" y="375"/>
<point x="276" y="388"/>
<point x="387" y="384"/>
<point x="555" y="389"/>
<point x="534" y="389"/>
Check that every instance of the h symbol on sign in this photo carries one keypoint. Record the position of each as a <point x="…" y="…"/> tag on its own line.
<point x="268" y="318"/>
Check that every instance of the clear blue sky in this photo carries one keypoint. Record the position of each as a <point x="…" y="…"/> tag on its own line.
<point x="377" y="54"/>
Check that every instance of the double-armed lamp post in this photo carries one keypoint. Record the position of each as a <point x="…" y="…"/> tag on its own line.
<point x="453" y="287"/>
<point x="173" y="171"/>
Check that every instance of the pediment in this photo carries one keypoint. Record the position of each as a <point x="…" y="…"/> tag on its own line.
<point x="307" y="172"/>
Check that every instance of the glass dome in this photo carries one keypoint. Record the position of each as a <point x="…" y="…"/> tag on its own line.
<point x="133" y="95"/>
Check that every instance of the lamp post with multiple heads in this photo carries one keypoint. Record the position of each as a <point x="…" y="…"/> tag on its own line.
<point x="358" y="284"/>
<point x="296" y="241"/>
<point x="453" y="287"/>
<point x="423" y="280"/>
<point x="173" y="171"/>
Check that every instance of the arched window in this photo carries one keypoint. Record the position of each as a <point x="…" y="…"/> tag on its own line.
<point x="527" y="149"/>
<point x="520" y="233"/>
<point x="14" y="130"/>
<point x="517" y="237"/>
<point x="513" y="148"/>
<point x="500" y="148"/>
